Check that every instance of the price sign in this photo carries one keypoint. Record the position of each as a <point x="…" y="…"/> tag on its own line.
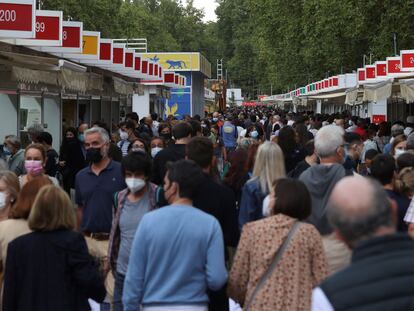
<point x="381" y="69"/>
<point x="378" y="118"/>
<point x="17" y="18"/>
<point x="407" y="60"/>
<point x="90" y="43"/>
<point x="71" y="39"/>
<point x="105" y="50"/>
<point x="129" y="59"/>
<point x="48" y="28"/>
<point x="393" y="65"/>
<point x="361" y="75"/>
<point x="370" y="72"/>
<point x="119" y="53"/>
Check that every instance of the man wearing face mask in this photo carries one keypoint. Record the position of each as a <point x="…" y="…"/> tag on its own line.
<point x="124" y="134"/>
<point x="12" y="149"/>
<point x="131" y="204"/>
<point x="95" y="186"/>
<point x="182" y="134"/>
<point x="320" y="180"/>
<point x="178" y="251"/>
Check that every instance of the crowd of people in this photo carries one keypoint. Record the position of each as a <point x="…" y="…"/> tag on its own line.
<point x="265" y="209"/>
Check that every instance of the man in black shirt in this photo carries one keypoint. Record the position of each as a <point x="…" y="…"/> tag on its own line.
<point x="52" y="156"/>
<point x="182" y="134"/>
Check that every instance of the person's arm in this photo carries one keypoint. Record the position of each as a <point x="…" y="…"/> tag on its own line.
<point x="216" y="273"/>
<point x="247" y="211"/>
<point x="85" y="271"/>
<point x="230" y="226"/>
<point x="135" y="277"/>
<point x="239" y="274"/>
<point x="78" y="199"/>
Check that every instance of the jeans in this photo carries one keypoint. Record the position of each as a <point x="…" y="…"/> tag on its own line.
<point x="119" y="289"/>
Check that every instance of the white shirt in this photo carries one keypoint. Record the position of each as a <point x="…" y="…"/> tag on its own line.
<point x="319" y="301"/>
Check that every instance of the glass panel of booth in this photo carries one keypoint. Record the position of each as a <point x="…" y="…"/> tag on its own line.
<point x="8" y="115"/>
<point x="30" y="114"/>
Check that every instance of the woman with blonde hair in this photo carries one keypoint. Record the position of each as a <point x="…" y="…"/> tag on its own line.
<point x="50" y="268"/>
<point x="9" y="190"/>
<point x="268" y="167"/>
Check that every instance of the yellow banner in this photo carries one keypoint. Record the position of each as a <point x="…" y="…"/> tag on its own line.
<point x="181" y="62"/>
<point x="90" y="45"/>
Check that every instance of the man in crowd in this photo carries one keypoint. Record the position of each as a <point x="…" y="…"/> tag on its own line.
<point x="353" y="148"/>
<point x="52" y="157"/>
<point x="320" y="180"/>
<point x="383" y="169"/>
<point x="229" y="134"/>
<point x="396" y="130"/>
<point x="12" y="149"/>
<point x="381" y="273"/>
<point x="178" y="251"/>
<point x="95" y="187"/>
<point x="81" y="136"/>
<point x="182" y="134"/>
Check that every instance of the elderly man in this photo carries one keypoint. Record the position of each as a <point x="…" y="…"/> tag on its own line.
<point x="15" y="155"/>
<point x="396" y="129"/>
<point x="320" y="180"/>
<point x="381" y="274"/>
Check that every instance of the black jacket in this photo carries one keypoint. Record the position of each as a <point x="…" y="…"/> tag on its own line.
<point x="50" y="271"/>
<point x="171" y="154"/>
<point x="380" y="277"/>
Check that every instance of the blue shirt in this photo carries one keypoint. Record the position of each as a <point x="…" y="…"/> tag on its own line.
<point x="95" y="194"/>
<point x="177" y="254"/>
<point x="229" y="134"/>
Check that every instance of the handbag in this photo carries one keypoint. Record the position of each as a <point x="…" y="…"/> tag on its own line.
<point x="274" y="263"/>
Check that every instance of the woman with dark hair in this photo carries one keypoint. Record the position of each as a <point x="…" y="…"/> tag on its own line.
<point x="71" y="159"/>
<point x="383" y="135"/>
<point x="292" y="151"/>
<point x="131" y="204"/>
<point x="310" y="159"/>
<point x="289" y="281"/>
<point x="139" y="144"/>
<point x="237" y="176"/>
<point x="302" y="134"/>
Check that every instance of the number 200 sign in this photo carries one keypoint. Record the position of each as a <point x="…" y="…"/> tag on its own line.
<point x="17" y="18"/>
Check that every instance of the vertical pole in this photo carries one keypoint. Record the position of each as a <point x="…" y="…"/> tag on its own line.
<point x="395" y="43"/>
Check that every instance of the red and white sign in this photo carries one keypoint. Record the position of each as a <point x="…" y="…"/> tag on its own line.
<point x="118" y="54"/>
<point x="370" y="72"/>
<point x="361" y="75"/>
<point x="129" y="59"/>
<point x="71" y="39"/>
<point x="378" y="118"/>
<point x="393" y="65"/>
<point x="49" y="30"/>
<point x="381" y="69"/>
<point x="17" y="18"/>
<point x="105" y="53"/>
<point x="407" y="60"/>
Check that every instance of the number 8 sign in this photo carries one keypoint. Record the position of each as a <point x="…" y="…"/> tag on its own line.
<point x="17" y="18"/>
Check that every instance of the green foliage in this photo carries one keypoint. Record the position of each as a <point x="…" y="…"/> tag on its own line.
<point x="289" y="43"/>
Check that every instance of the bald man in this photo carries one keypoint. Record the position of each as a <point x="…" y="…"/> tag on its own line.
<point x="381" y="274"/>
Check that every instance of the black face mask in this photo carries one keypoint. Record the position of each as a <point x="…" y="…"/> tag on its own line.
<point x="166" y="136"/>
<point x="93" y="155"/>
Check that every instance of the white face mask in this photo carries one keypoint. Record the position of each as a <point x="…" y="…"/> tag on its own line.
<point x="265" y="206"/>
<point x="3" y="200"/>
<point x="154" y="151"/>
<point x="398" y="152"/>
<point x="135" y="184"/>
<point x="123" y="135"/>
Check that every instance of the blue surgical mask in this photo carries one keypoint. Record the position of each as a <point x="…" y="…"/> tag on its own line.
<point x="81" y="138"/>
<point x="6" y="151"/>
<point x="215" y="119"/>
<point x="254" y="134"/>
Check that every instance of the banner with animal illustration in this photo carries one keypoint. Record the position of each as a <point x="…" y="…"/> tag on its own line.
<point x="181" y="62"/>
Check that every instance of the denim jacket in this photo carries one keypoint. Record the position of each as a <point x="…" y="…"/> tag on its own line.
<point x="251" y="202"/>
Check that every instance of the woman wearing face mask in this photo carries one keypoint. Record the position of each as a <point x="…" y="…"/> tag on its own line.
<point x="138" y="145"/>
<point x="19" y="212"/>
<point x="71" y="158"/>
<point x="164" y="131"/>
<point x="301" y="266"/>
<point x="34" y="163"/>
<point x="130" y="206"/>
<point x="9" y="189"/>
<point x="253" y="133"/>
<point x="157" y="144"/>
<point x="399" y="146"/>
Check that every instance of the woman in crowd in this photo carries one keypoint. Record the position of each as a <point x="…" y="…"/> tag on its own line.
<point x="131" y="205"/>
<point x="50" y="268"/>
<point x="383" y="135"/>
<point x="17" y="225"/>
<point x="399" y="145"/>
<point x="71" y="158"/>
<point x="237" y="176"/>
<point x="157" y="144"/>
<point x="138" y="144"/>
<point x="269" y="166"/>
<point x="164" y="131"/>
<point x="12" y="149"/>
<point x="292" y="151"/>
<point x="310" y="159"/>
<point x="302" y="264"/>
<point x="35" y="161"/>
<point x="9" y="190"/>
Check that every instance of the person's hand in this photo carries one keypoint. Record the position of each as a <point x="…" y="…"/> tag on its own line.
<point x="62" y="163"/>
